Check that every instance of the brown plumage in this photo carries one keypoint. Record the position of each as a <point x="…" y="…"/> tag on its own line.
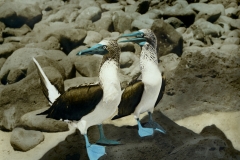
<point x="132" y="96"/>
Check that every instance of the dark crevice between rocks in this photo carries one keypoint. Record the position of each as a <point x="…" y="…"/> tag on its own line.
<point x="68" y="46"/>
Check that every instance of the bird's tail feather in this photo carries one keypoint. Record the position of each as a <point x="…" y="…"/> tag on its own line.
<point x="49" y="90"/>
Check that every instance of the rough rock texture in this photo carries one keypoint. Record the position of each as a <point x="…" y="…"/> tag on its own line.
<point x="15" y="14"/>
<point x="178" y="143"/>
<point x="24" y="140"/>
<point x="198" y="49"/>
<point x="39" y="122"/>
<point x="169" y="40"/>
<point x="26" y="98"/>
<point x="90" y="69"/>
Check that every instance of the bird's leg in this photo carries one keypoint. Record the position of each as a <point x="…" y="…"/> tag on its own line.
<point x="152" y="124"/>
<point x="94" y="151"/>
<point x="143" y="132"/>
<point x="103" y="139"/>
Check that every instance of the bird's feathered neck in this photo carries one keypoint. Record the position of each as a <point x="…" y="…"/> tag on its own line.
<point x="113" y="53"/>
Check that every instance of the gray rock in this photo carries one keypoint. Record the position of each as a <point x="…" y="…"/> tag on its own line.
<point x="51" y="43"/>
<point x="235" y="24"/>
<point x="88" y="66"/>
<point x="105" y="23"/>
<point x="232" y="40"/>
<point x="79" y="81"/>
<point x="24" y="140"/>
<point x="91" y="13"/>
<point x="63" y="14"/>
<point x="67" y="34"/>
<point x="142" y="21"/>
<point x="68" y="66"/>
<point x="129" y="63"/>
<point x="16" y="32"/>
<point x="56" y="55"/>
<point x="15" y="76"/>
<point x="175" y="22"/>
<point x="130" y="1"/>
<point x="2" y="26"/>
<point x="183" y="13"/>
<point x="39" y="122"/>
<point x="168" y="63"/>
<point x="2" y="61"/>
<point x="105" y="33"/>
<point x="85" y="24"/>
<point x="199" y="81"/>
<point x="121" y="21"/>
<point x="169" y="40"/>
<point x="209" y="12"/>
<point x="89" y="3"/>
<point x="19" y="60"/>
<point x="92" y="38"/>
<point x="234" y="33"/>
<point x="231" y="48"/>
<point x="7" y="49"/>
<point x="15" y="14"/>
<point x="209" y="29"/>
<point x="25" y="95"/>
<point x="9" y="118"/>
<point x="112" y="6"/>
<point x="131" y="8"/>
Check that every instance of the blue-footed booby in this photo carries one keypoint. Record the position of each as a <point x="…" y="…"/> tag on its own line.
<point x="90" y="104"/>
<point x="143" y="95"/>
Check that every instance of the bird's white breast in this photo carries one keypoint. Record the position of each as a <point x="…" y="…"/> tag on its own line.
<point x="110" y="81"/>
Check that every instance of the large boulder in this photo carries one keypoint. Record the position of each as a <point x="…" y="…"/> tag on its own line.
<point x="182" y="12"/>
<point x="25" y="96"/>
<point x="16" y="31"/>
<point x="51" y="43"/>
<point x="105" y="23"/>
<point x="6" y="49"/>
<point x="121" y="21"/>
<point x="92" y="38"/>
<point x="16" y="14"/>
<point x="19" y="60"/>
<point x="91" y="13"/>
<point x="168" y="39"/>
<point x="88" y="66"/>
<point x="24" y="140"/>
<point x="178" y="140"/>
<point x="200" y="83"/>
<point x="209" y="12"/>
<point x="39" y="122"/>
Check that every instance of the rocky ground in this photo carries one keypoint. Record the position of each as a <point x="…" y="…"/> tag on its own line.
<point x="199" y="53"/>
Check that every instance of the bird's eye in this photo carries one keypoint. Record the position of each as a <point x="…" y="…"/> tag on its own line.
<point x="141" y="35"/>
<point x="104" y="47"/>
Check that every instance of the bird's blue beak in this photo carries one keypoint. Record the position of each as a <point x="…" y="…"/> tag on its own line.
<point x="139" y="38"/>
<point x="96" y="49"/>
<point x="136" y="34"/>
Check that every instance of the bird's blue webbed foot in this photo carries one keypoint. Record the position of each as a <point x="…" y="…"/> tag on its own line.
<point x="103" y="139"/>
<point x="154" y="125"/>
<point x="143" y="132"/>
<point x="94" y="151"/>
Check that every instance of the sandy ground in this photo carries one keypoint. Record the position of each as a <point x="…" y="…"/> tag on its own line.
<point x="51" y="140"/>
<point x="226" y="121"/>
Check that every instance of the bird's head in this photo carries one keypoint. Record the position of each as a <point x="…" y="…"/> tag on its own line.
<point x="108" y="48"/>
<point x="141" y="37"/>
